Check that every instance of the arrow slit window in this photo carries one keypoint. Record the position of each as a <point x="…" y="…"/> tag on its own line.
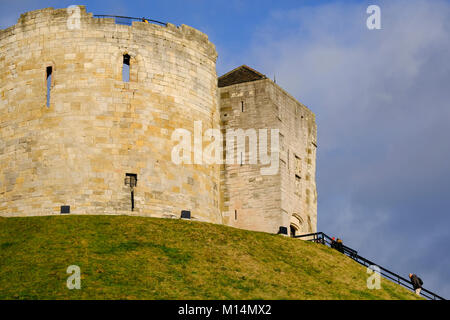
<point x="126" y="68"/>
<point x="49" y="84"/>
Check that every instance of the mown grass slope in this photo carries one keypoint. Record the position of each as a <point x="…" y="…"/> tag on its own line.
<point x="123" y="257"/>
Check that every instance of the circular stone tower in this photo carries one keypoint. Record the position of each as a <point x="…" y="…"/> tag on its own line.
<point x="76" y="131"/>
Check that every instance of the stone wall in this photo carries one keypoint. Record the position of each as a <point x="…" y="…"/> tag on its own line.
<point x="97" y="127"/>
<point x="266" y="202"/>
<point x="250" y="200"/>
<point x="298" y="144"/>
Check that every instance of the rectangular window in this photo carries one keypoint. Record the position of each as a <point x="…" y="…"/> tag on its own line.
<point x="49" y="84"/>
<point x="242" y="106"/>
<point x="131" y="180"/>
<point x="280" y="113"/>
<point x="298" y="185"/>
<point x="282" y="142"/>
<point x="126" y="68"/>
<point x="288" y="162"/>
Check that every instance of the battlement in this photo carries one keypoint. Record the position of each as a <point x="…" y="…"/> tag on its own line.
<point x="45" y="21"/>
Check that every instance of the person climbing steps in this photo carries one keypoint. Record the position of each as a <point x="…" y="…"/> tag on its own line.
<point x="416" y="282"/>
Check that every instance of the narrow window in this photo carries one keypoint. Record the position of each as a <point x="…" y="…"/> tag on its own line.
<point x="298" y="185"/>
<point x="49" y="84"/>
<point x="282" y="142"/>
<point x="298" y="165"/>
<point x="235" y="214"/>
<point x="131" y="181"/>
<point x="65" y="209"/>
<point x="126" y="68"/>
<point x="242" y="106"/>
<point x="288" y="162"/>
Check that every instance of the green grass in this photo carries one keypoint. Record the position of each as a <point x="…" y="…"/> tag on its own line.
<point x="124" y="257"/>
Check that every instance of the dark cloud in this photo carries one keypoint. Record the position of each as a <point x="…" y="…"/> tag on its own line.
<point x="381" y="99"/>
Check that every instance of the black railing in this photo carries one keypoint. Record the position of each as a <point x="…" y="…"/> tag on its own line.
<point x="320" y="237"/>
<point x="129" y="20"/>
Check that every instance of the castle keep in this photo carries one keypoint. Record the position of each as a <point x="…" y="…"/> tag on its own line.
<point x="79" y="136"/>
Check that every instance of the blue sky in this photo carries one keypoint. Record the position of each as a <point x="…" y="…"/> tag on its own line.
<point x="381" y="99"/>
<point x="230" y="25"/>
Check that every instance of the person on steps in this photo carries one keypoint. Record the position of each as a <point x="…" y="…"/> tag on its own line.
<point x="340" y="245"/>
<point x="416" y="282"/>
<point x="333" y="243"/>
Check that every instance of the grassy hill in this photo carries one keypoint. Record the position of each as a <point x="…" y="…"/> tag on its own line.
<point x="124" y="257"/>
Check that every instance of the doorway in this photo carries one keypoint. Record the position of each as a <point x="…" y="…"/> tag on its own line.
<point x="293" y="230"/>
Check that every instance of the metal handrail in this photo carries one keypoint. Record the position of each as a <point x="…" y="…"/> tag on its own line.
<point x="129" y="18"/>
<point x="323" y="238"/>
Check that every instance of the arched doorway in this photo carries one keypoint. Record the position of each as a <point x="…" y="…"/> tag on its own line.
<point x="296" y="224"/>
<point x="293" y="231"/>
